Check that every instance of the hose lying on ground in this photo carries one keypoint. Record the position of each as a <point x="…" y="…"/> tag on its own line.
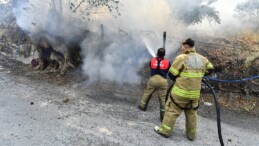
<point x="217" y="112"/>
<point x="216" y="106"/>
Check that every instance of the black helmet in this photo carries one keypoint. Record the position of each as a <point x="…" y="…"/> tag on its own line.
<point x="161" y="52"/>
<point x="189" y="42"/>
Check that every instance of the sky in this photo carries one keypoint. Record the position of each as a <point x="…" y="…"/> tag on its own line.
<point x="226" y="9"/>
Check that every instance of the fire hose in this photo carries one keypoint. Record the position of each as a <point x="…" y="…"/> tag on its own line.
<point x="217" y="111"/>
<point x="232" y="81"/>
<point x="217" y="106"/>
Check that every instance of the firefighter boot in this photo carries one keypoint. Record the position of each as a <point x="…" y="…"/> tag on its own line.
<point x="157" y="130"/>
<point x="142" y="108"/>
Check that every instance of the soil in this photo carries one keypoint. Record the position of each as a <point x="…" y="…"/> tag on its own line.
<point x="68" y="110"/>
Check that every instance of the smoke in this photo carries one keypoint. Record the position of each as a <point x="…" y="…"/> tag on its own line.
<point x="4" y="1"/>
<point x="118" y="54"/>
<point x="131" y="34"/>
<point x="195" y="11"/>
<point x="248" y="13"/>
<point x="115" y="58"/>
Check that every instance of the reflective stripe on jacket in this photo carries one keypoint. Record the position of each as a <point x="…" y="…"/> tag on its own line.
<point x="190" y="69"/>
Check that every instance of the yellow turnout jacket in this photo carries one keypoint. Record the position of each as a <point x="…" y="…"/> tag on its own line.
<point x="190" y="69"/>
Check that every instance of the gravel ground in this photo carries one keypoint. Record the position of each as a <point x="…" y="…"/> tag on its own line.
<point x="39" y="113"/>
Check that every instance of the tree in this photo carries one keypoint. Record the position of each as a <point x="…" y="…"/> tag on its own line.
<point x="85" y="8"/>
<point x="195" y="11"/>
<point x="249" y="11"/>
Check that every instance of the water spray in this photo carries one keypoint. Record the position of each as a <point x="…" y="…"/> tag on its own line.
<point x="149" y="47"/>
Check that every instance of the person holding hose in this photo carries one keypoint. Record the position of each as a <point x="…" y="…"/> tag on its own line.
<point x="158" y="81"/>
<point x="187" y="71"/>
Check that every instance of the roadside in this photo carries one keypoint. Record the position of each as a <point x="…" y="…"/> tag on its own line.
<point x="35" y="111"/>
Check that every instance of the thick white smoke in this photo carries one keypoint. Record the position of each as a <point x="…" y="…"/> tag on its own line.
<point x="119" y="51"/>
<point x="115" y="58"/>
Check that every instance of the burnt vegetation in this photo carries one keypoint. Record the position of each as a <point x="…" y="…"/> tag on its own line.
<point x="234" y="57"/>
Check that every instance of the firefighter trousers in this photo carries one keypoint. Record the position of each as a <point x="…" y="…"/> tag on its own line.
<point x="173" y="111"/>
<point x="155" y="83"/>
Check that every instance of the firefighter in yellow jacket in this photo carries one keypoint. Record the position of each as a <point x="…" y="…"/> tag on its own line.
<point x="187" y="70"/>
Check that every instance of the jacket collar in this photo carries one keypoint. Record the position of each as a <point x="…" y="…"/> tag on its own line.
<point x="192" y="50"/>
<point x="160" y="58"/>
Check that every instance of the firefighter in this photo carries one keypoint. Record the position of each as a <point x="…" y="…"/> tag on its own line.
<point x="187" y="71"/>
<point x="158" y="81"/>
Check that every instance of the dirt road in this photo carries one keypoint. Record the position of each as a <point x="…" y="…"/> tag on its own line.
<point x="35" y="113"/>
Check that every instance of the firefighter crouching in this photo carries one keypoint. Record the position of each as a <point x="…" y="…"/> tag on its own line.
<point x="158" y="81"/>
<point x="187" y="70"/>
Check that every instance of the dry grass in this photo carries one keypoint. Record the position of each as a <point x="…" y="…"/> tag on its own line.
<point x="235" y="102"/>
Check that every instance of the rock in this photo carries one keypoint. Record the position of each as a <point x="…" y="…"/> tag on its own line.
<point x="208" y="104"/>
<point x="229" y="140"/>
<point x="32" y="103"/>
<point x="65" y="100"/>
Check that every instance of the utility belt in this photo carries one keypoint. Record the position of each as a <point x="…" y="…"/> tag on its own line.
<point x="161" y="76"/>
<point x="187" y="107"/>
